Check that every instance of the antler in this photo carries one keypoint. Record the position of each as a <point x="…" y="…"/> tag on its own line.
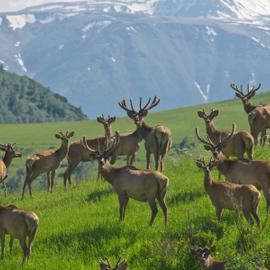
<point x="84" y="143"/>
<point x="206" y="142"/>
<point x="250" y="90"/>
<point x="124" y="106"/>
<point x="149" y="106"/>
<point x="227" y="138"/>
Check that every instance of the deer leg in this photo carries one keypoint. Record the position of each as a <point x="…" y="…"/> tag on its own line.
<point x="248" y="217"/>
<point x="2" y="236"/>
<point x="4" y="185"/>
<point x="31" y="179"/>
<point x="48" y="181"/>
<point x="218" y="213"/>
<point x="132" y="159"/>
<point x="154" y="210"/>
<point x="122" y="205"/>
<point x="31" y="241"/>
<point x="24" y="249"/>
<point x="11" y="244"/>
<point x="27" y="178"/>
<point x="52" y="179"/>
<point x="254" y="213"/>
<point x="68" y="172"/>
<point x="163" y="206"/>
<point x="263" y="137"/>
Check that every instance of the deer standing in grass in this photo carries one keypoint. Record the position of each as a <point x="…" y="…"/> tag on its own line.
<point x="258" y="115"/>
<point x="240" y="143"/>
<point x="231" y="196"/>
<point x="46" y="162"/>
<point x="206" y="259"/>
<point x="158" y="139"/>
<point x="10" y="153"/>
<point x="129" y="143"/>
<point x="130" y="182"/>
<point x="254" y="172"/>
<point x="120" y="265"/>
<point x="19" y="224"/>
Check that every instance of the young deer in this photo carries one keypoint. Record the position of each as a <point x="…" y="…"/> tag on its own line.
<point x="230" y="196"/>
<point x="258" y="115"/>
<point x="10" y="153"/>
<point x="19" y="224"/>
<point x="240" y="143"/>
<point x="158" y="139"/>
<point x="207" y="261"/>
<point x="129" y="143"/>
<point x="121" y="265"/>
<point x="252" y="172"/>
<point x="130" y="182"/>
<point x="46" y="162"/>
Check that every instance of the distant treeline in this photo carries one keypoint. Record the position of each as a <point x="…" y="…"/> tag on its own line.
<point x="23" y="100"/>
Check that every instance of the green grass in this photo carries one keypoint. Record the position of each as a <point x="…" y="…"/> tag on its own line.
<point x="80" y="225"/>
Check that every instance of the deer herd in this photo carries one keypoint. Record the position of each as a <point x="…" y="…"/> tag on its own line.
<point x="232" y="154"/>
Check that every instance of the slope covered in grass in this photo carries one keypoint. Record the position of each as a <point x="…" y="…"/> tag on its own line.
<point x="80" y="225"/>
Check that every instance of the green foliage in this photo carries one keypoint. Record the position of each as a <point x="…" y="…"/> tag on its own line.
<point x="22" y="100"/>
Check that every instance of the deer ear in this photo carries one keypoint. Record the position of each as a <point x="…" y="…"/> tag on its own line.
<point x="71" y="134"/>
<point x="130" y="115"/>
<point x="238" y="95"/>
<point x="207" y="148"/>
<point x="198" y="164"/>
<point x="144" y="113"/>
<point x="123" y="266"/>
<point x="57" y="136"/>
<point x="214" y="113"/>
<point x="200" y="114"/>
<point x="112" y="119"/>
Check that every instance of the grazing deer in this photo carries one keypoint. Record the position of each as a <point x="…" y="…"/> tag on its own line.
<point x="46" y="162"/>
<point x="258" y="115"/>
<point x="129" y="143"/>
<point x="230" y="196"/>
<point x="130" y="182"/>
<point x="19" y="224"/>
<point x="207" y="261"/>
<point x="158" y="139"/>
<point x="121" y="265"/>
<point x="240" y="143"/>
<point x="10" y="153"/>
<point x="238" y="171"/>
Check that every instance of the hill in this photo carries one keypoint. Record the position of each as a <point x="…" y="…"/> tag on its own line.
<point x="80" y="225"/>
<point x="22" y="100"/>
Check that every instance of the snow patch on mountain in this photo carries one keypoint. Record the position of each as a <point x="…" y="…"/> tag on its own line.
<point x="19" y="21"/>
<point x="18" y="57"/>
<point x="202" y="93"/>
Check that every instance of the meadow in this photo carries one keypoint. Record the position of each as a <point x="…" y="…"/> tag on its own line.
<point x="80" y="225"/>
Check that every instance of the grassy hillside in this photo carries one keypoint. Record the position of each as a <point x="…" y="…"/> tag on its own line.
<point x="80" y="225"/>
<point x="25" y="101"/>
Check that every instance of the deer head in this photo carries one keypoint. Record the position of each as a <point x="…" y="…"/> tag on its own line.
<point x="206" y="167"/>
<point x="9" y="150"/>
<point x="208" y="118"/>
<point x="202" y="253"/>
<point x="250" y="92"/>
<point x="64" y="136"/>
<point x="216" y="149"/>
<point x="138" y="115"/>
<point x="106" y="122"/>
<point x="121" y="265"/>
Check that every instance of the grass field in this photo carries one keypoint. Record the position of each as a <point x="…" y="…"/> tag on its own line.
<point x="80" y="225"/>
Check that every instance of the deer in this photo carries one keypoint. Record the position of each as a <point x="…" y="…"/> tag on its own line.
<point x="240" y="143"/>
<point x="206" y="259"/>
<point x="230" y="196"/>
<point x="19" y="224"/>
<point x="158" y="139"/>
<point x="46" y="162"/>
<point x="239" y="171"/>
<point x="10" y="153"/>
<point x="129" y="143"/>
<point x="120" y="265"/>
<point x="131" y="182"/>
<point x="258" y="115"/>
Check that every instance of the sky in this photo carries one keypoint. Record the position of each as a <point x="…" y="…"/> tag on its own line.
<point x="14" y="5"/>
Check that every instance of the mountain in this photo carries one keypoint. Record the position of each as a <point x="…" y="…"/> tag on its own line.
<point x="97" y="52"/>
<point x="22" y="100"/>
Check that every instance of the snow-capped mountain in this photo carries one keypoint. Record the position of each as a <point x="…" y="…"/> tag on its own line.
<point x="98" y="52"/>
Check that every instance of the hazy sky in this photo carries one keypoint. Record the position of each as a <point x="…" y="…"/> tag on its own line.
<point x="12" y="5"/>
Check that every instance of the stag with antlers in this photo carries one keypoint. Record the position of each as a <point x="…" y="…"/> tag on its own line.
<point x="120" y="265"/>
<point x="46" y="162"/>
<point x="10" y="153"/>
<point x="158" y="139"/>
<point x="258" y="116"/>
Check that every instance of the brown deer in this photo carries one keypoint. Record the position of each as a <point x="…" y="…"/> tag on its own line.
<point x="231" y="196"/>
<point x="239" y="171"/>
<point x="10" y="153"/>
<point x="158" y="139"/>
<point x="131" y="182"/>
<point x="46" y="162"/>
<point x="206" y="260"/>
<point x="240" y="143"/>
<point x="120" y="265"/>
<point x="19" y="224"/>
<point x="258" y="115"/>
<point x="129" y="143"/>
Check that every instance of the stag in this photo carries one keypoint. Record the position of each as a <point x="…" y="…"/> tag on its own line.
<point x="46" y="162"/>
<point x="10" y="153"/>
<point x="231" y="196"/>
<point x="120" y="265"/>
<point x="240" y="143"/>
<point x="254" y="172"/>
<point x="258" y="115"/>
<point x="158" y="139"/>
<point x="128" y="144"/>
<point x="131" y="182"/>
<point x="19" y="224"/>
<point x="206" y="260"/>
